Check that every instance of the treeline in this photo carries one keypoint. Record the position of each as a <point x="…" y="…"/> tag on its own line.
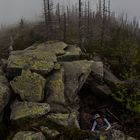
<point x="115" y="38"/>
<point x="98" y="30"/>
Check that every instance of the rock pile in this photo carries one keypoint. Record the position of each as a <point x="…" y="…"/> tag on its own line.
<point x="44" y="81"/>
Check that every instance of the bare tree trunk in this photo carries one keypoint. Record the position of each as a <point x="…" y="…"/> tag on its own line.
<point x="45" y="14"/>
<point x="65" y="28"/>
<point x="88" y="16"/>
<point x="58" y="15"/>
<point x="103" y="24"/>
<point x="68" y="14"/>
<point x="49" y="19"/>
<point x="80" y="24"/>
<point x="100" y="7"/>
<point x="109" y="10"/>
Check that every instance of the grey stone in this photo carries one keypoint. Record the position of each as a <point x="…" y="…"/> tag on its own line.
<point x="49" y="132"/>
<point x="30" y="86"/>
<point x="98" y="69"/>
<point x="21" y="110"/>
<point x="67" y="120"/>
<point x="72" y="53"/>
<point x="4" y="96"/>
<point x="76" y="74"/>
<point x="55" y="88"/>
<point x="29" y="135"/>
<point x="109" y="76"/>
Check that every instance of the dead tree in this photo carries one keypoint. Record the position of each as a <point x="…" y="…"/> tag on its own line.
<point x="109" y="10"/>
<point x="80" y="24"/>
<point x="45" y="12"/>
<point x="103" y="23"/>
<point x="100" y="7"/>
<point x="58" y="15"/>
<point x="88" y="16"/>
<point x="48" y="6"/>
<point x="65" y="28"/>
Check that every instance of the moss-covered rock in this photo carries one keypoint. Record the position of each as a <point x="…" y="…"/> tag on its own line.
<point x="55" y="47"/>
<point x="66" y="120"/>
<point x="73" y="53"/>
<point x="30" y="86"/>
<point x="39" y="61"/>
<point x="114" y="135"/>
<point x="55" y="88"/>
<point x="25" y="110"/>
<point x="29" y="135"/>
<point x="50" y="133"/>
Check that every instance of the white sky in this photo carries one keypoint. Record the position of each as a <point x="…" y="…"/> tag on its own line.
<point x="12" y="10"/>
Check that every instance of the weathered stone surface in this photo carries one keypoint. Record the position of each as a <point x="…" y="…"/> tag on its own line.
<point x="30" y="86"/>
<point x="101" y="91"/>
<point x="3" y="63"/>
<point x="57" y="47"/>
<point x="4" y="80"/>
<point x="109" y="76"/>
<point x="1" y="117"/>
<point x="21" y="110"/>
<point x="39" y="61"/>
<point x="72" y="53"/>
<point x="115" y="135"/>
<point x="98" y="69"/>
<point x="49" y="132"/>
<point x="54" y="47"/>
<point x="29" y="135"/>
<point x="59" y="119"/>
<point x="67" y="120"/>
<point x="59" y="108"/>
<point x="55" y="88"/>
<point x="73" y="120"/>
<point x="1" y="71"/>
<point x="4" y="96"/>
<point x="76" y="74"/>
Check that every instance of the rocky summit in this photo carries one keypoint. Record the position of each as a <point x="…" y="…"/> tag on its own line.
<point x="41" y="92"/>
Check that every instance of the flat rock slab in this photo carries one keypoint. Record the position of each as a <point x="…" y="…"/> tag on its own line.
<point x="73" y="53"/>
<point x="29" y="135"/>
<point x="55" y="88"/>
<point x="30" y="86"/>
<point x="109" y="76"/>
<point x="98" y="69"/>
<point x="115" y="135"/>
<point x="55" y="47"/>
<point x="76" y="74"/>
<point x="21" y="110"/>
<point x="49" y="132"/>
<point x="66" y="120"/>
<point x="39" y="61"/>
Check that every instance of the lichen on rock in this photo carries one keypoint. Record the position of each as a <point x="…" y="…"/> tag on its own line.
<point x="55" y="88"/>
<point x="30" y="86"/>
<point x="66" y="120"/>
<point x="21" y="110"/>
<point x="29" y="135"/>
<point x="41" y="61"/>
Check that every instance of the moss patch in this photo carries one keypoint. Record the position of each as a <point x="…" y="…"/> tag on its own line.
<point x="30" y="86"/>
<point x="127" y="95"/>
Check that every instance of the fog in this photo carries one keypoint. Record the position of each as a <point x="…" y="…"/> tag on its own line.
<point x="11" y="11"/>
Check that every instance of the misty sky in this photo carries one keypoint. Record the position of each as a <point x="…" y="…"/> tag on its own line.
<point x="11" y="11"/>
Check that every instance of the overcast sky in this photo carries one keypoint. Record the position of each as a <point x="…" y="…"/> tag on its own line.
<point x="12" y="10"/>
